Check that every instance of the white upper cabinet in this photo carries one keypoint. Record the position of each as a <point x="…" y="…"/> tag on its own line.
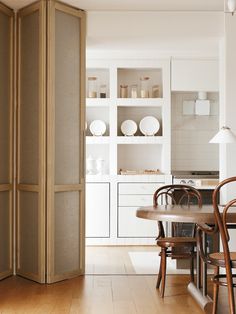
<point x="195" y="75"/>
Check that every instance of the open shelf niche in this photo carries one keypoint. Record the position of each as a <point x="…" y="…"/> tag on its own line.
<point x="137" y="114"/>
<point x="133" y="76"/>
<point x="139" y="157"/>
<point x="102" y="78"/>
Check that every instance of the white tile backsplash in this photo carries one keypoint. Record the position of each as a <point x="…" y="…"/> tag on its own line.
<point x="190" y="148"/>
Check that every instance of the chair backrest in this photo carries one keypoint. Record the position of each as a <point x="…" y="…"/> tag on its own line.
<point x="221" y="216"/>
<point x="177" y="194"/>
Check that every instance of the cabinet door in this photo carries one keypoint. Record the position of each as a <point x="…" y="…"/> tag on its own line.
<point x="131" y="226"/>
<point x="194" y="75"/>
<point x="6" y="139"/>
<point x="97" y="210"/>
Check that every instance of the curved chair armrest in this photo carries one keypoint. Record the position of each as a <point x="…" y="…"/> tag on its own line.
<point x="207" y="229"/>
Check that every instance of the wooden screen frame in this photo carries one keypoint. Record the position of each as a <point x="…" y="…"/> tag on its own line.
<point x="8" y="186"/>
<point x="39" y="188"/>
<point x="52" y="188"/>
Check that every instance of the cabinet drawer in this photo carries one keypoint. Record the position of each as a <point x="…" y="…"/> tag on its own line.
<point x="138" y="188"/>
<point x="135" y="200"/>
<point x="131" y="226"/>
<point x="97" y="210"/>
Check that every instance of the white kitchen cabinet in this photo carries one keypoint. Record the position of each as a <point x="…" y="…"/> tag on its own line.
<point x="145" y="160"/>
<point x="138" y="188"/>
<point x="130" y="226"/>
<point x="194" y="75"/>
<point x="132" y="196"/>
<point x="135" y="200"/>
<point x="97" y="210"/>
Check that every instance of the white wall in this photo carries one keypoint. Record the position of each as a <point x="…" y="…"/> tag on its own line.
<point x="153" y="33"/>
<point x="228" y="101"/>
<point x="190" y="135"/>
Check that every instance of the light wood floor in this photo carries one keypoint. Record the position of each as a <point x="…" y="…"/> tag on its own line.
<point x="124" y="292"/>
<point x="113" y="259"/>
<point x="120" y="294"/>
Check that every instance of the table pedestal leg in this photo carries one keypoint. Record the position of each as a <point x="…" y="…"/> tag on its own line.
<point x="205" y="302"/>
<point x="200" y="295"/>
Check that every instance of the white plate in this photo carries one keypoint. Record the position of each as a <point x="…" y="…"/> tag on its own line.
<point x="149" y="125"/>
<point x="97" y="127"/>
<point x="129" y="127"/>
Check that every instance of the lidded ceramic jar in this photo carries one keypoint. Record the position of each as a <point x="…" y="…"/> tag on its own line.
<point x="123" y="91"/>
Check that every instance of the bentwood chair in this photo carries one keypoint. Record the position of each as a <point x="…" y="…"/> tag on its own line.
<point x="225" y="259"/>
<point x="177" y="246"/>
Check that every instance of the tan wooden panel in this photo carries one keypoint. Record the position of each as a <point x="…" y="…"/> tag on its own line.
<point x="5" y="233"/>
<point x="27" y="231"/>
<point x="29" y="98"/>
<point x="5" y="86"/>
<point x="67" y="98"/>
<point x="6" y="139"/>
<point x="66" y="234"/>
<point x="65" y="141"/>
<point x="5" y="187"/>
<point x="31" y="141"/>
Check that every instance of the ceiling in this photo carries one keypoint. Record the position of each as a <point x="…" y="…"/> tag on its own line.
<point x="134" y="5"/>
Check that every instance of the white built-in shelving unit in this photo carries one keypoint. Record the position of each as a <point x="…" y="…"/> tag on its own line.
<point x="136" y="152"/>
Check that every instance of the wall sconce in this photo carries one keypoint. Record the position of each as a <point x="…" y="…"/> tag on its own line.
<point x="224" y="136"/>
<point x="198" y="107"/>
<point x="231" y="4"/>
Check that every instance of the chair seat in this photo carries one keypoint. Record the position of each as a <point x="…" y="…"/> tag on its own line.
<point x="217" y="259"/>
<point x="176" y="241"/>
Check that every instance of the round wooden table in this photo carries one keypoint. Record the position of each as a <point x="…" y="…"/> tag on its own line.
<point x="190" y="214"/>
<point x="179" y="213"/>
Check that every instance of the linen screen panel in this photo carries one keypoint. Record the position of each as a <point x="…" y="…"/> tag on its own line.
<point x="6" y="140"/>
<point x="67" y="98"/>
<point x="66" y="200"/>
<point x="5" y="53"/>
<point x="5" y="232"/>
<point x="28" y="232"/>
<point x="30" y="133"/>
<point x="29" y="99"/>
<point x="66" y="232"/>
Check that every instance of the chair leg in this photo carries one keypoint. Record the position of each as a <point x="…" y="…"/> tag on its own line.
<point x="159" y="274"/>
<point x="215" y="292"/>
<point x="230" y="291"/>
<point x="163" y="271"/>
<point x="192" y="267"/>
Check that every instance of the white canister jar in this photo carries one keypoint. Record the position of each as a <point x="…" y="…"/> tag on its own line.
<point x="90" y="165"/>
<point x="134" y="91"/>
<point x="92" y="87"/>
<point x="100" y="165"/>
<point x="144" y="89"/>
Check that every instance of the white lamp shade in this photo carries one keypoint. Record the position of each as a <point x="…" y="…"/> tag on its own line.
<point x="224" y="136"/>
<point x="231" y="5"/>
